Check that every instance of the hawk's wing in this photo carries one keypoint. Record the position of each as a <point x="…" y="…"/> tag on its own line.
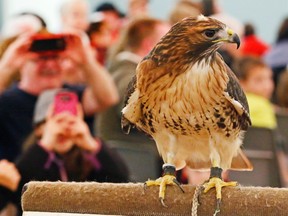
<point x="126" y="125"/>
<point x="238" y="99"/>
<point x="147" y="72"/>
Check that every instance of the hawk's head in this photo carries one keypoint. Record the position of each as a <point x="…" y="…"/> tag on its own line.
<point x="194" y="38"/>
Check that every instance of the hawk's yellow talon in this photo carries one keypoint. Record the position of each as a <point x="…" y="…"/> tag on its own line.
<point x="218" y="183"/>
<point x="168" y="178"/>
<point x="162" y="182"/>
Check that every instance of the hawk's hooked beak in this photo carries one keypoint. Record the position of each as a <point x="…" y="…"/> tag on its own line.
<point x="228" y="36"/>
<point x="233" y="37"/>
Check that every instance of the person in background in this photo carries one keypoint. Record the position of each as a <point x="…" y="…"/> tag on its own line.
<point x="182" y="9"/>
<point x="113" y="19"/>
<point x="9" y="179"/>
<point x="277" y="56"/>
<point x="137" y="8"/>
<point x="74" y="15"/>
<point x="9" y="175"/>
<point x="256" y="80"/>
<point x="18" y="24"/>
<point x="100" y="36"/>
<point x="281" y="91"/>
<point x="251" y="43"/>
<point x="23" y="23"/>
<point x="64" y="149"/>
<point x="75" y="20"/>
<point x="39" y="72"/>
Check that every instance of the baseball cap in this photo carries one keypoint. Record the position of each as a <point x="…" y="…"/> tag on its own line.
<point x="106" y="6"/>
<point x="45" y="99"/>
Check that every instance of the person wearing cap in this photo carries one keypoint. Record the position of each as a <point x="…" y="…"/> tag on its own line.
<point x="112" y="17"/>
<point x="42" y="71"/>
<point x="100" y="36"/>
<point x="65" y="150"/>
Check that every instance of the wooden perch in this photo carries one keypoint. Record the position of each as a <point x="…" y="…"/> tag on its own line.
<point x="132" y="199"/>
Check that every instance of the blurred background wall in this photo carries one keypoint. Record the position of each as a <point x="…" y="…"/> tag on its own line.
<point x="266" y="15"/>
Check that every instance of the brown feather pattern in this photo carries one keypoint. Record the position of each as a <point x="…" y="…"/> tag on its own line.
<point x="185" y="97"/>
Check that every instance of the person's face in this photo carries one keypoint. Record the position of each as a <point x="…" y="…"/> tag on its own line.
<point x="112" y="20"/>
<point x="45" y="71"/>
<point x="103" y="37"/>
<point x="259" y="82"/>
<point x="76" y="16"/>
<point x="138" y="8"/>
<point x="62" y="140"/>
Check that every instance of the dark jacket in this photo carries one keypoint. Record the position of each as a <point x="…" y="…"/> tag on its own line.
<point x="38" y="164"/>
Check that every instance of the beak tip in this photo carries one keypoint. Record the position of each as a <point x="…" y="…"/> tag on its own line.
<point x="236" y="40"/>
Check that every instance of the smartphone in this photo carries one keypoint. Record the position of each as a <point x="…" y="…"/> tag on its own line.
<point x="48" y="43"/>
<point x="65" y="101"/>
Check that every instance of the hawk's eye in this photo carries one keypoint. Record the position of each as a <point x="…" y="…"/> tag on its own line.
<point x="210" y="33"/>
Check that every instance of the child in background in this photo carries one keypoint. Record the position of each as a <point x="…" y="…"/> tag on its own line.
<point x="64" y="149"/>
<point x="256" y="80"/>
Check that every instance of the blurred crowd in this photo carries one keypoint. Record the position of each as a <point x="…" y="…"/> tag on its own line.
<point x="102" y="49"/>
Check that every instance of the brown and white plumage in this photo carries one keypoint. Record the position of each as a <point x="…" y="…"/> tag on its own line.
<point x="188" y="100"/>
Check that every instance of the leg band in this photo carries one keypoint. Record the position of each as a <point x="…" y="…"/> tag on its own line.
<point x="216" y="172"/>
<point x="169" y="169"/>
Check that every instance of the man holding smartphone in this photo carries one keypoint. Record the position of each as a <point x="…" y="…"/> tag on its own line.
<point x="42" y="71"/>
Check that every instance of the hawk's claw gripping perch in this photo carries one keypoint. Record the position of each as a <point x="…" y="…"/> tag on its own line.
<point x="168" y="178"/>
<point x="217" y="182"/>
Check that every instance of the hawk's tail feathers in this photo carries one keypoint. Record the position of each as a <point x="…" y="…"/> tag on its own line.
<point x="241" y="162"/>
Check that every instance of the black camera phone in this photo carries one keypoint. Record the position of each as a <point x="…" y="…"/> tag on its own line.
<point x="48" y="43"/>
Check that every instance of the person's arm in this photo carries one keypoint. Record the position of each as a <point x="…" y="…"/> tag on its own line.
<point x="28" y="167"/>
<point x="81" y="135"/>
<point x="12" y="60"/>
<point x="9" y="175"/>
<point x="9" y="182"/>
<point x="101" y="92"/>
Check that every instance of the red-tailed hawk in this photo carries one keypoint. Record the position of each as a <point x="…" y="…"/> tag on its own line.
<point x="190" y="102"/>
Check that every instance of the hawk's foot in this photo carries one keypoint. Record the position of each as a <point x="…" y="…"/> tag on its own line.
<point x="216" y="182"/>
<point x="168" y="178"/>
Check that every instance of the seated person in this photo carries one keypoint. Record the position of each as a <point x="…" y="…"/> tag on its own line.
<point x="64" y="150"/>
<point x="257" y="82"/>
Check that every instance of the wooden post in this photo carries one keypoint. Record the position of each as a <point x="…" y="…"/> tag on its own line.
<point x="133" y="199"/>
